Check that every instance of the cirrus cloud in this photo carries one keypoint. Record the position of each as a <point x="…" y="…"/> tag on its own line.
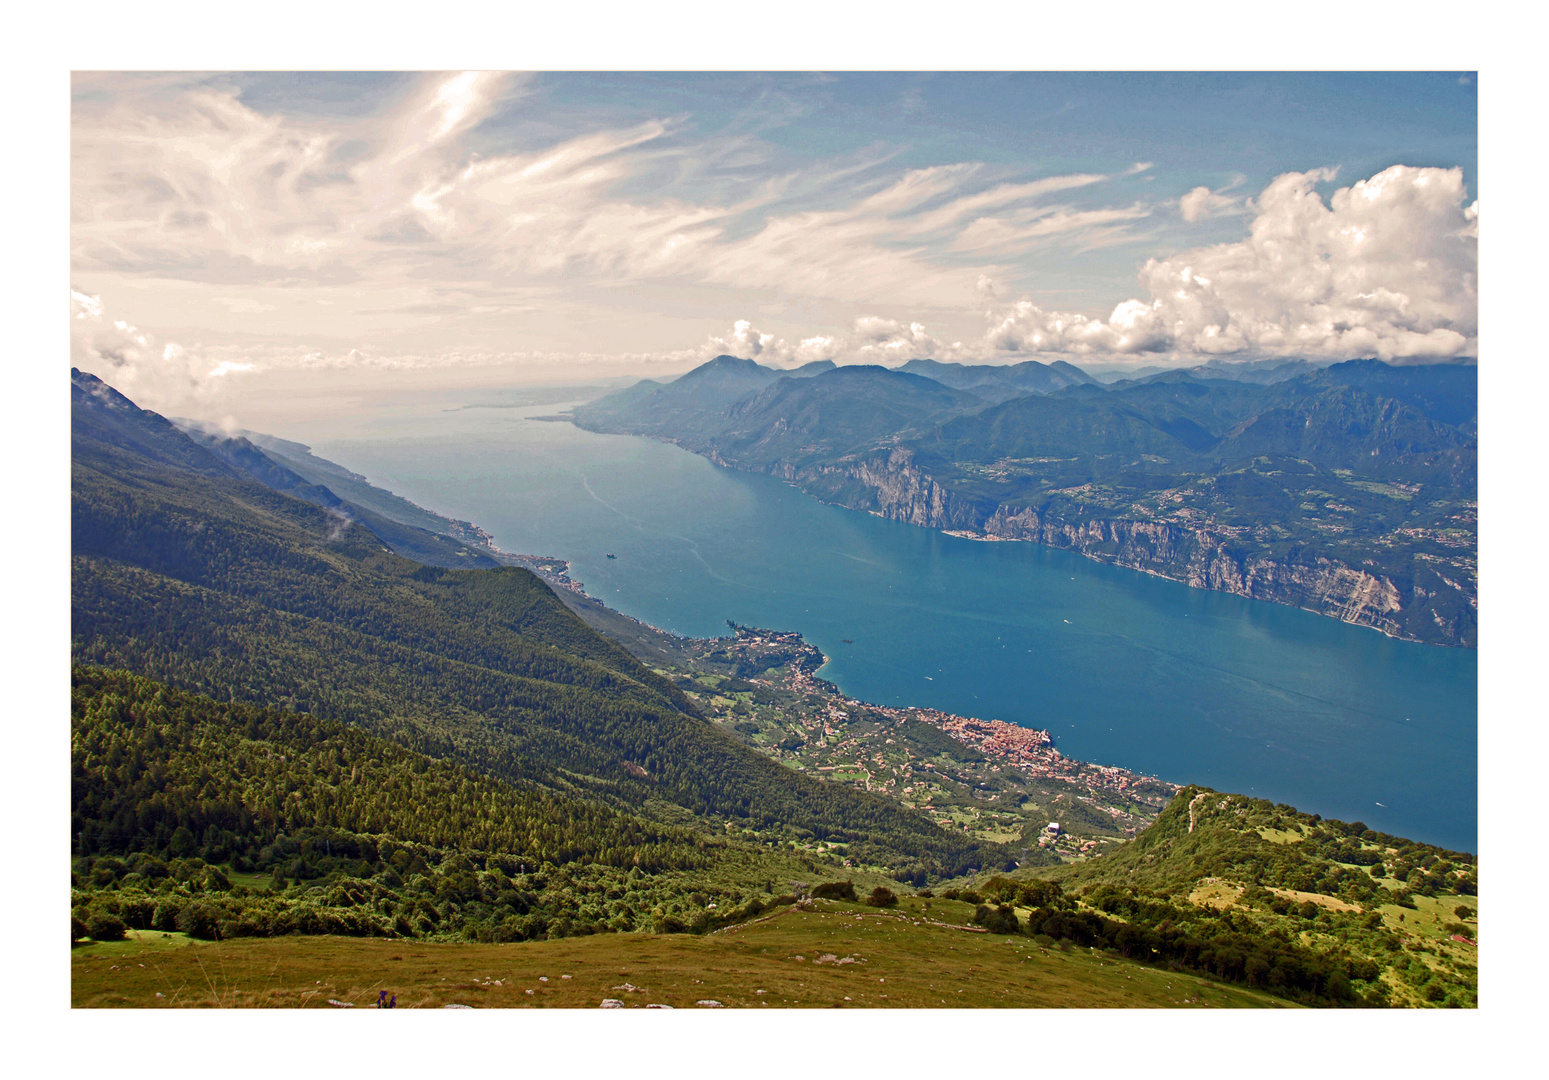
<point x="191" y="183"/>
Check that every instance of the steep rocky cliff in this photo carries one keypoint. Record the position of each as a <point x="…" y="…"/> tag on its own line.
<point x="1349" y="491"/>
<point x="891" y="484"/>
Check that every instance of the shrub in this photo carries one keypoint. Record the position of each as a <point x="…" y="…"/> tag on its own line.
<point x="836" y="890"/>
<point x="77" y="929"/>
<point x="164" y="918"/>
<point x="882" y="897"/>
<point x="997" y="920"/>
<point x="137" y="910"/>
<point x="102" y="926"/>
<point x="200" y="920"/>
<point x="1038" y="894"/>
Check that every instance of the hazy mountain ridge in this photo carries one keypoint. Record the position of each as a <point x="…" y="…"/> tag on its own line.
<point x="1348" y="490"/>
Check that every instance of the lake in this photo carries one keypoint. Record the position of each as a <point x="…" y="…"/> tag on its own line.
<point x="1120" y="667"/>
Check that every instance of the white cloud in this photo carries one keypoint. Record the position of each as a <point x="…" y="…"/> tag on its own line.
<point x="1201" y="203"/>
<point x="750" y="344"/>
<point x="187" y="182"/>
<point x="887" y="341"/>
<point x="165" y="377"/>
<point x="1387" y="268"/>
<point x="84" y="307"/>
<point x="872" y="340"/>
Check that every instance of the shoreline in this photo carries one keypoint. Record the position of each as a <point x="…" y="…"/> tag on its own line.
<point x="660" y="648"/>
<point x="969" y="730"/>
<point x="982" y="537"/>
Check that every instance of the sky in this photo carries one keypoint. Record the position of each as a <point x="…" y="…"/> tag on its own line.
<point x="237" y="233"/>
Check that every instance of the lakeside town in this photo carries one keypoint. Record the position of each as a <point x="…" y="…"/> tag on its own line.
<point x="990" y="779"/>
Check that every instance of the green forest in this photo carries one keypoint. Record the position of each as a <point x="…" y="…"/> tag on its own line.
<point x="231" y="820"/>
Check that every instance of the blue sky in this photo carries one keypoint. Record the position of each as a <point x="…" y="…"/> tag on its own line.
<point x="233" y="227"/>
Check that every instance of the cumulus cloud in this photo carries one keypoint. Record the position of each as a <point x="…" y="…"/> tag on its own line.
<point x="1202" y="203"/>
<point x="1388" y="267"/>
<point x="871" y="340"/>
<point x="885" y="341"/>
<point x="749" y="344"/>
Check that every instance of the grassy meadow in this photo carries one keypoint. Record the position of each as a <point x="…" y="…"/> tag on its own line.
<point x="828" y="954"/>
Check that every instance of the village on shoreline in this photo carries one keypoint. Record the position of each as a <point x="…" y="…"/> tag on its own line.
<point x="991" y="779"/>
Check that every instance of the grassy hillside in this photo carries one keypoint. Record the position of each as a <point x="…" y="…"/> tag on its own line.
<point x="1279" y="897"/>
<point x="828" y="954"/>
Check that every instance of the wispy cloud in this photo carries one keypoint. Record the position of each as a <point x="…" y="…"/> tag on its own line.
<point x="1201" y="202"/>
<point x="183" y="180"/>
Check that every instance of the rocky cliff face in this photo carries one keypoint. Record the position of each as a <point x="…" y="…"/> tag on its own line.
<point x="891" y="484"/>
<point x="1199" y="558"/>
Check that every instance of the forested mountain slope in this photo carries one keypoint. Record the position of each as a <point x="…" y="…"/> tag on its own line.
<point x="351" y="833"/>
<point x="692" y="398"/>
<point x="1349" y="490"/>
<point x="188" y="571"/>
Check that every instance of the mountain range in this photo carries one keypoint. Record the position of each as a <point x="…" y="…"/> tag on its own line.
<point x="1349" y="490"/>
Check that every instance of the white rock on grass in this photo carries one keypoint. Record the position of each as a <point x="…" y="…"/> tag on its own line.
<point x="611" y="1003"/>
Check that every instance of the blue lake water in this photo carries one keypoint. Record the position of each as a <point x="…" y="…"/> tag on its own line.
<point x="1122" y="668"/>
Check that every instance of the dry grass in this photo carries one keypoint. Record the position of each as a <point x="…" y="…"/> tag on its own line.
<point x="1215" y="893"/>
<point x="1328" y="902"/>
<point x="832" y="955"/>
